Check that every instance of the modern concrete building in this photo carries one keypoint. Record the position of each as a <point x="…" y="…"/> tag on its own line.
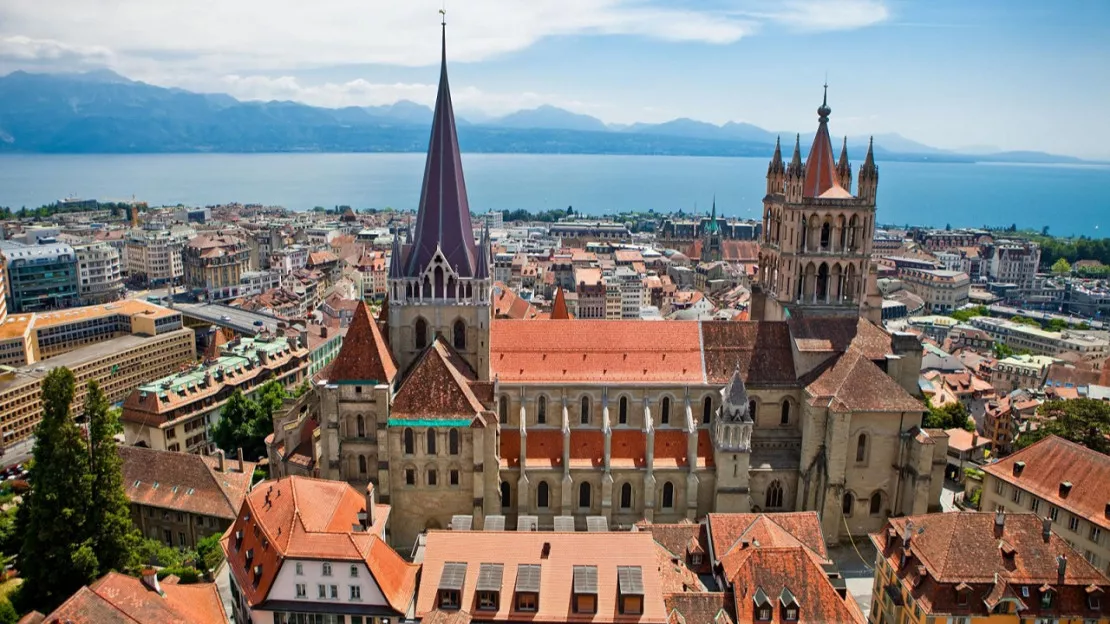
<point x="40" y="277"/>
<point x="1029" y="337"/>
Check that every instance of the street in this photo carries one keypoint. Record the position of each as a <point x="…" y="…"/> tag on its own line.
<point x="856" y="566"/>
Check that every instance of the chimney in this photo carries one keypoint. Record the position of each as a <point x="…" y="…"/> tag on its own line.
<point x="150" y="579"/>
<point x="240" y="451"/>
<point x="220" y="456"/>
<point x="323" y="331"/>
<point x="907" y="531"/>
<point x="1107" y="511"/>
<point x="999" y="522"/>
<point x="1046" y="528"/>
<point x="371" y="502"/>
<point x="1065" y="489"/>
<point x="1061" y="565"/>
<point x="546" y="551"/>
<point x="1018" y="468"/>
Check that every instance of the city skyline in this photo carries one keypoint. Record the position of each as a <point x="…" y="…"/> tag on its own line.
<point x="1012" y="76"/>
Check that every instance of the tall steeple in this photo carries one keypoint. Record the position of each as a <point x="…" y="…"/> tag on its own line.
<point x="443" y="221"/>
<point x="795" y="167"/>
<point x="820" y="167"/>
<point x="844" y="168"/>
<point x="776" y="170"/>
<point x="869" y="174"/>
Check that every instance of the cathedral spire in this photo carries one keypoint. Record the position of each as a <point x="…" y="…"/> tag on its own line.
<point x="559" y="311"/>
<point x="843" y="164"/>
<point x="482" y="270"/>
<point x="795" y="167"/>
<point x="443" y="221"/>
<point x="776" y="160"/>
<point x="820" y="168"/>
<point x="869" y="162"/>
<point x="844" y="168"/>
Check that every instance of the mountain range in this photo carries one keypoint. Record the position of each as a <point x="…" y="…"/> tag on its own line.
<point x="103" y="112"/>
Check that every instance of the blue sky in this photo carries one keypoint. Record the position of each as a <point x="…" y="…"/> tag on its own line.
<point x="1012" y="74"/>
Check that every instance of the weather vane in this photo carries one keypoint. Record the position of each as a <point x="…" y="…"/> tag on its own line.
<point x="443" y="14"/>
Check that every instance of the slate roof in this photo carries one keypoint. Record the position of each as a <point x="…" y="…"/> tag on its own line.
<point x="119" y="599"/>
<point x="364" y="356"/>
<point x="184" y="482"/>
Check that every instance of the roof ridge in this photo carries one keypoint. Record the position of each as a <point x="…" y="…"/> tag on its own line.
<point x="227" y="496"/>
<point x="101" y="596"/>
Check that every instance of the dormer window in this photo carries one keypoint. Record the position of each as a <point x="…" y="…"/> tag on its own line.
<point x="1048" y="595"/>
<point x="489" y="586"/>
<point x="630" y="585"/>
<point x="527" y="587"/>
<point x="789" y="605"/>
<point x="962" y="591"/>
<point x="585" y="589"/>
<point x="451" y="585"/>
<point x="695" y="559"/>
<point x="762" y="605"/>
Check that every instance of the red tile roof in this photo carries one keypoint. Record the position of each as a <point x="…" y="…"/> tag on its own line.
<point x="760" y="349"/>
<point x="559" y="310"/>
<point x="728" y="531"/>
<point x="117" y="598"/>
<point x="1054" y="460"/>
<point x="184" y="482"/>
<point x="855" y="384"/>
<point x="436" y="388"/>
<point x="364" y="356"/>
<point x="778" y="570"/>
<point x="699" y="608"/>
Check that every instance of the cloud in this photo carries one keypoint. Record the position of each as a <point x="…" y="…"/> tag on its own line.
<point x="21" y="48"/>
<point x="826" y="15"/>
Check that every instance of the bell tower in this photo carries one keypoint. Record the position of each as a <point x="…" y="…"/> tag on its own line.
<point x="439" y="281"/>
<point x="732" y="447"/>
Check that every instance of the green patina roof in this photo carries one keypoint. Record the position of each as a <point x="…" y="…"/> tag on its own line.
<point x="428" y="422"/>
<point x="231" y="359"/>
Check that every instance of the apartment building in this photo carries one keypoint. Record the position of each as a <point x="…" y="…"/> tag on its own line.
<point x="1011" y="262"/>
<point x="119" y="365"/>
<point x="154" y="255"/>
<point x="180" y="499"/>
<point x="214" y="264"/>
<point x="943" y="291"/>
<point x="981" y="567"/>
<point x="1063" y="482"/>
<point x="1020" y="371"/>
<point x="40" y="277"/>
<point x="175" y="412"/>
<point x="592" y="293"/>
<point x="1023" y="337"/>
<point x="99" y="273"/>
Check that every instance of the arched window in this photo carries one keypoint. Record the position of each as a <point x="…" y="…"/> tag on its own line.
<point x="433" y="477"/>
<point x="541" y="410"/>
<point x="361" y="426"/>
<point x="622" y="410"/>
<point x="542" y="495"/>
<point x="362" y="464"/>
<point x="847" y="504"/>
<point x="585" y="410"/>
<point x="420" y="335"/>
<point x="503" y="410"/>
<point x="826" y="234"/>
<point x="876" y="503"/>
<point x="409" y="443"/>
<point x="453" y="442"/>
<point x="665" y="411"/>
<point x="668" y="495"/>
<point x="751" y="409"/>
<point x="431" y="441"/>
<point x="784" y="419"/>
<point x="774" y="495"/>
<point x="706" y="410"/>
<point x="584" y="495"/>
<point x="802" y="242"/>
<point x="626" y="496"/>
<point x="459" y="333"/>
<point x="506" y="503"/>
<point x="861" y="448"/>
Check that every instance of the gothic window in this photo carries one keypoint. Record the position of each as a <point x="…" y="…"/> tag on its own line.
<point x="752" y="409"/>
<point x="861" y="448"/>
<point x="427" y="288"/>
<point x="505" y="496"/>
<point x="852" y="225"/>
<point x="453" y="442"/>
<point x="420" y="335"/>
<point x="361" y="426"/>
<point x="876" y="503"/>
<point x="361" y="464"/>
<point x="431" y="441"/>
<point x="847" y="504"/>
<point x="707" y="410"/>
<point x="784" y="419"/>
<point x="439" y="285"/>
<point x="623" y="411"/>
<point x="585" y="410"/>
<point x="542" y="495"/>
<point x="584" y="495"/>
<point x="668" y="495"/>
<point x="503" y="410"/>
<point x="826" y="235"/>
<point x="665" y="411"/>
<point x="626" y="496"/>
<point x="409" y="443"/>
<point x="805" y="231"/>
<point x="541" y="410"/>
<point x="433" y="477"/>
<point x="822" y="281"/>
<point x="774" y="495"/>
<point x="459" y="331"/>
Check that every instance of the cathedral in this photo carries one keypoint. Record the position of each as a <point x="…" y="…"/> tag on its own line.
<point x="536" y="423"/>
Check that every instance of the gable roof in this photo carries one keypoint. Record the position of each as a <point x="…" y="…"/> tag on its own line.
<point x="559" y="310"/>
<point x="729" y="531"/>
<point x="184" y="482"/>
<point x="118" y="598"/>
<point x="790" y="573"/>
<point x="364" y="356"/>
<point x="437" y="388"/>
<point x="855" y="384"/>
<point x="759" y="350"/>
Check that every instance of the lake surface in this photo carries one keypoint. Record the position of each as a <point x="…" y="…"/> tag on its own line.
<point x="1069" y="199"/>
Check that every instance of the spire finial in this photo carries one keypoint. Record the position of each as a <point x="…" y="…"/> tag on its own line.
<point x="824" y="110"/>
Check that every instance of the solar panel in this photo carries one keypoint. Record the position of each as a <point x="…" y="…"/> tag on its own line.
<point x="489" y="577"/>
<point x="597" y="524"/>
<point x="527" y="523"/>
<point x="585" y="579"/>
<point x="454" y="573"/>
<point x="494" y="523"/>
<point x="630" y="580"/>
<point x="564" y="524"/>
<point x="528" y="577"/>
<point x="461" y="523"/>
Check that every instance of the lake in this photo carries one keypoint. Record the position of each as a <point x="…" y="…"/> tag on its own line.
<point x="1070" y="199"/>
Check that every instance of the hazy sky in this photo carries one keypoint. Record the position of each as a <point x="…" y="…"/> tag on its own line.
<point x="1014" y="74"/>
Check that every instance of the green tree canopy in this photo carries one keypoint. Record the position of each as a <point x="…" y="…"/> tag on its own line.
<point x="114" y="535"/>
<point x="1083" y="421"/>
<point x="949" y="416"/>
<point x="245" y="422"/>
<point x="1061" y="267"/>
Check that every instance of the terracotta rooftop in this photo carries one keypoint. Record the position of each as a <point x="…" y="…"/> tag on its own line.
<point x="728" y="531"/>
<point x="559" y="310"/>
<point x="761" y="350"/>
<point x="119" y="599"/>
<point x="438" y="387"/>
<point x="700" y="607"/>
<point x="364" y="356"/>
<point x="1053" y="461"/>
<point x="855" y="384"/>
<point x="784" y="574"/>
<point x="604" y="551"/>
<point x="184" y="481"/>
<point x="509" y="305"/>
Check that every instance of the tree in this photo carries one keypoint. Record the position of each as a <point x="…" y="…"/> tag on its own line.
<point x="56" y="558"/>
<point x="210" y="553"/>
<point x="1083" y="421"/>
<point x="1002" y="350"/>
<point x="1061" y="267"/>
<point x="948" y="416"/>
<point x="245" y="422"/>
<point x="114" y="536"/>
